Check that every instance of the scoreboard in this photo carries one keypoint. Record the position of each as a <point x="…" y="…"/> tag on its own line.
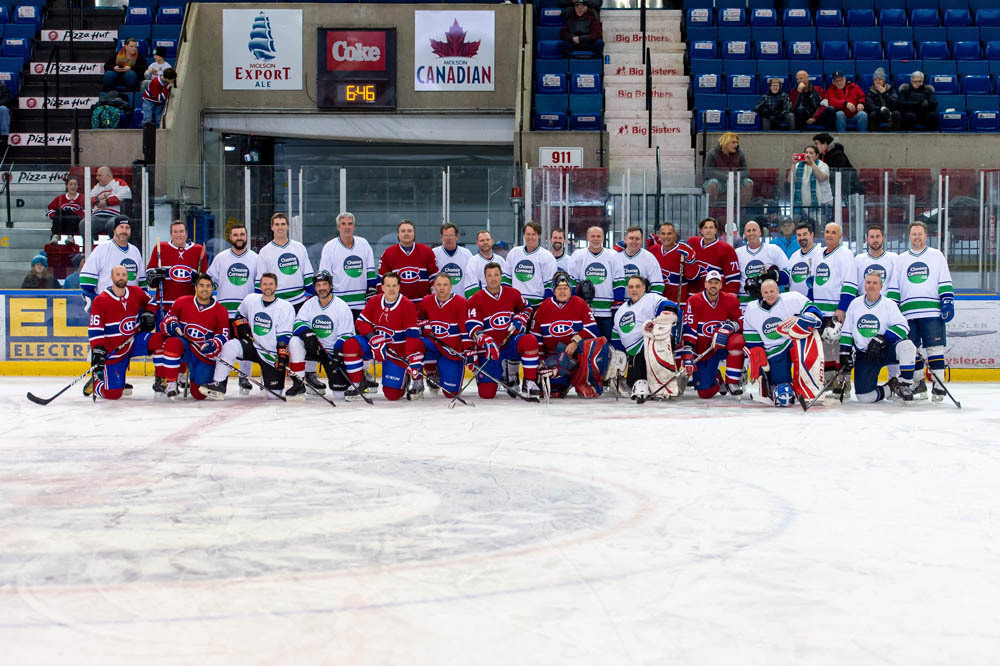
<point x="356" y="68"/>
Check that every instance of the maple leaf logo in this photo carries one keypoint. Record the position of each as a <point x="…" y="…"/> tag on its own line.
<point x="454" y="44"/>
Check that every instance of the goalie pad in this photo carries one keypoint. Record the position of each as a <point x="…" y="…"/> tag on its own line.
<point x="592" y="356"/>
<point x="807" y="366"/>
<point x="661" y="365"/>
<point x="617" y="364"/>
<point x="800" y="326"/>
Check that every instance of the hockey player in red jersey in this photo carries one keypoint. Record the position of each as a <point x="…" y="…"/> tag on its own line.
<point x="714" y="318"/>
<point x="121" y="315"/>
<point x="196" y="328"/>
<point x="412" y="262"/>
<point x="389" y="325"/>
<point x="713" y="253"/>
<point x="575" y="354"/>
<point x="443" y="318"/>
<point x="498" y="324"/>
<point x="674" y="256"/>
<point x="173" y="265"/>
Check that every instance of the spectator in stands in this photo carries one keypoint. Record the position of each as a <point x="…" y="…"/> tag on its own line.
<point x="582" y="31"/>
<point x="5" y="101"/>
<point x="568" y="8"/>
<point x="917" y="103"/>
<point x="125" y="67"/>
<point x="775" y="108"/>
<point x="833" y="154"/>
<point x="108" y="198"/>
<point x="154" y="97"/>
<point x="58" y="254"/>
<point x="66" y="210"/>
<point x="785" y="238"/>
<point x="843" y="100"/>
<point x="812" y="197"/>
<point x="159" y="64"/>
<point x="39" y="277"/>
<point x="805" y="100"/>
<point x="882" y="102"/>
<point x="72" y="280"/>
<point x="723" y="159"/>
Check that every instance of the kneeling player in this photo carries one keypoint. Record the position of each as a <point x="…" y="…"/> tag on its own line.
<point x="639" y="323"/>
<point x="445" y="339"/>
<point x="498" y="321"/>
<point x="389" y="324"/>
<point x="121" y="321"/>
<point x="575" y="355"/>
<point x="874" y="326"/>
<point x="784" y="348"/>
<point x="714" y="319"/>
<point x="196" y="327"/>
<point x="326" y="326"/>
<point x="263" y="326"/>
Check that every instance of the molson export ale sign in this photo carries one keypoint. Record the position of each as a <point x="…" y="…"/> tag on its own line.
<point x="262" y="49"/>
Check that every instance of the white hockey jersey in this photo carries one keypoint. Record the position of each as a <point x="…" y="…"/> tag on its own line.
<point x="755" y="262"/>
<point x="606" y="272"/>
<point x="330" y="323"/>
<point x="864" y="320"/>
<point x="453" y="263"/>
<point x="563" y="262"/>
<point x="760" y="325"/>
<point x="884" y="266"/>
<point x="475" y="278"/>
<point x="269" y="322"/>
<point x="835" y="279"/>
<point x="234" y="276"/>
<point x="921" y="279"/>
<point x="531" y="273"/>
<point x="643" y="264"/>
<point x="352" y="269"/>
<point x="290" y="262"/>
<point x="630" y="318"/>
<point x="801" y="266"/>
<point x="95" y="276"/>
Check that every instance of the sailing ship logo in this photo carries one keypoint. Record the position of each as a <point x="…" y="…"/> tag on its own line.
<point x="261" y="43"/>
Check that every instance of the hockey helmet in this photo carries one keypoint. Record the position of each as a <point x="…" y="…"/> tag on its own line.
<point x="561" y="277"/>
<point x="324" y="276"/>
<point x="784" y="396"/>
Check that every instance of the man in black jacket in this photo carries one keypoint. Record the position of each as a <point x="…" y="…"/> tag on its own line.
<point x="835" y="157"/>
<point x="582" y="32"/>
<point x="882" y="103"/>
<point x="917" y="103"/>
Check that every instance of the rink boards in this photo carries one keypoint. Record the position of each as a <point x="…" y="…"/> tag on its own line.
<point x="44" y="333"/>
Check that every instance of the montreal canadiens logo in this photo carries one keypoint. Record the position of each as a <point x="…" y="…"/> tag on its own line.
<point x="288" y="263"/>
<point x="627" y="322"/>
<point x="630" y="270"/>
<point x="454" y="273"/>
<point x="524" y="271"/>
<point x="877" y="270"/>
<point x="868" y="325"/>
<point x="322" y="326"/>
<point x="131" y="267"/>
<point x="918" y="273"/>
<point x="711" y="327"/>
<point x="195" y="333"/>
<point x="353" y="266"/>
<point x="499" y="320"/>
<point x="770" y="328"/>
<point x="822" y="274"/>
<point x="754" y="268"/>
<point x="409" y="275"/>
<point x="238" y="275"/>
<point x="800" y="272"/>
<point x="439" y="328"/>
<point x="128" y="326"/>
<point x="596" y="273"/>
<point x="261" y="324"/>
<point x="561" y="327"/>
<point x="180" y="273"/>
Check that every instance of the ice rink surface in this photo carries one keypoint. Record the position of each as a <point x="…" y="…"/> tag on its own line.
<point x="587" y="532"/>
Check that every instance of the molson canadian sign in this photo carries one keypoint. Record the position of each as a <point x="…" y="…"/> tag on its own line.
<point x="454" y="50"/>
<point x="262" y="49"/>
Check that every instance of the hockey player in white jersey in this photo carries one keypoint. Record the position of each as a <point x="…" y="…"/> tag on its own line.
<point x="637" y="260"/>
<point x="600" y="279"/>
<point x="475" y="276"/>
<point x="351" y="263"/>
<point x="798" y="269"/>
<point x="289" y="260"/>
<point x="757" y="259"/>
<point x="560" y="250"/>
<point x="629" y="340"/>
<point x="874" y="336"/>
<point x="532" y="266"/>
<point x="781" y="340"/>
<point x="834" y="287"/>
<point x="451" y="257"/>
<point x="876" y="259"/>
<point x="264" y="335"/>
<point x="234" y="273"/>
<point x="95" y="276"/>
<point x="922" y="287"/>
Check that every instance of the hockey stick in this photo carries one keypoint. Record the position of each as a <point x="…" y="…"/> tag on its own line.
<point x="937" y="380"/>
<point x="250" y="379"/>
<point x="44" y="401"/>
<point x="826" y="387"/>
<point x="475" y="371"/>
<point x="302" y="379"/>
<point x="343" y="373"/>
<point x="677" y="373"/>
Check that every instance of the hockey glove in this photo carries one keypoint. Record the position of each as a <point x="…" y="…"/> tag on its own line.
<point x="147" y="321"/>
<point x="472" y="356"/>
<point x="415" y="365"/>
<point x="686" y="357"/>
<point x="242" y="328"/>
<point x="731" y="326"/>
<point x="758" y="363"/>
<point x="98" y="357"/>
<point x="847" y="359"/>
<point x="518" y="323"/>
<point x="313" y="348"/>
<point x="173" y="327"/>
<point x="155" y="277"/>
<point x="586" y="290"/>
<point x="371" y="292"/>
<point x="281" y="359"/>
<point x="877" y="347"/>
<point x="210" y="348"/>
<point x="488" y="345"/>
<point x="377" y="342"/>
<point x="947" y="308"/>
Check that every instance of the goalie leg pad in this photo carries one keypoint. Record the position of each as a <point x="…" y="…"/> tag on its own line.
<point x="658" y="353"/>
<point x="592" y="357"/>
<point x="807" y="366"/>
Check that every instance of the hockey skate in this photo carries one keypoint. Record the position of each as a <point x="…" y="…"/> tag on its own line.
<point x="371" y="382"/>
<point x="215" y="390"/>
<point x="937" y="393"/>
<point x="415" y="389"/>
<point x="510" y="378"/>
<point x="315" y="383"/>
<point x="920" y="389"/>
<point x="903" y="390"/>
<point x="530" y="391"/>
<point x="297" y="391"/>
<point x="128" y="389"/>
<point x="841" y="387"/>
<point x="245" y="386"/>
<point x="352" y="393"/>
<point x="434" y="382"/>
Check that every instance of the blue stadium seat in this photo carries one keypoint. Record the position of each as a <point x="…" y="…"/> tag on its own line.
<point x="550" y="83"/>
<point x="764" y="17"/>
<point x="709" y="82"/>
<point x="940" y="67"/>
<point x="897" y="34"/>
<point x="805" y="34"/>
<point x="694" y="3"/>
<point x="925" y="18"/>
<point x="734" y="34"/>
<point x="585" y="84"/>
<point x="984" y="120"/>
<point x="835" y="51"/>
<point x="548" y="32"/>
<point x="763" y="82"/>
<point x="892" y="17"/>
<point x="801" y="51"/>
<point x="552" y="16"/>
<point x="704" y="50"/>
<point x="741" y="84"/>
<point x="962" y="34"/>
<point x="796" y="18"/>
<point x="921" y="4"/>
<point x="140" y="32"/>
<point x="713" y="120"/>
<point x="739" y="67"/>
<point x="170" y="13"/>
<point x="706" y="67"/>
<point x="760" y="4"/>
<point x="766" y="34"/>
<point x="858" y="4"/>
<point x="587" y="66"/>
<point x="139" y="15"/>
<point x="165" y="41"/>
<point x="704" y="101"/>
<point x="10" y="73"/>
<point x="933" y="34"/>
<point x="944" y="84"/>
<point x="768" y="50"/>
<point x="972" y="67"/>
<point x="16" y="47"/>
<point x="730" y="16"/>
<point x="989" y="34"/>
<point x="834" y="34"/>
<point x="25" y="14"/>
<point x="742" y="120"/>
<point x="831" y="66"/>
<point x="553" y="66"/>
<point x="585" y="112"/>
<point x="966" y="51"/>
<point x="829" y="18"/>
<point x="899" y="50"/>
<point x="736" y="50"/>
<point x="549" y="50"/>
<point x="699" y="16"/>
<point x="993" y="50"/>
<point x="933" y="51"/>
<point x="953" y="121"/>
<point x="977" y="84"/>
<point x="956" y="18"/>
<point x="550" y="112"/>
<point x="868" y="50"/>
<point x="864" y="34"/>
<point x="742" y="102"/>
<point x="860" y="17"/>
<point x="988" y="17"/>
<point x="951" y="102"/>
<point x="901" y="70"/>
<point x="865" y="68"/>
<point x="702" y="35"/>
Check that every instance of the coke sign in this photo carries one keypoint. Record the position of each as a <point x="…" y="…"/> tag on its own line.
<point x="355" y="51"/>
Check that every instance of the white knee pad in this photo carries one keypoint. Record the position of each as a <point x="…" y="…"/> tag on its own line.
<point x="230" y="352"/>
<point x="296" y="350"/>
<point x="906" y="354"/>
<point x="936" y="350"/>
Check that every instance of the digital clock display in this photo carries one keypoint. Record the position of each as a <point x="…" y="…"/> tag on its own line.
<point x="357" y="68"/>
<point x="357" y="93"/>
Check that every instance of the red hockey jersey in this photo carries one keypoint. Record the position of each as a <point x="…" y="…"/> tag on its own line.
<point x="702" y="318"/>
<point x="717" y="255"/>
<point x="115" y="320"/>
<point x="181" y="263"/>
<point x="416" y="268"/>
<point x="445" y="322"/>
<point x="670" y="267"/>
<point x="557" y="322"/>
<point x="396" y="320"/>
<point x="200" y="323"/>
<point x="493" y="314"/>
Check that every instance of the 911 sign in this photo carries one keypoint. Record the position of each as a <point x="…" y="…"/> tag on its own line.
<point x="565" y="158"/>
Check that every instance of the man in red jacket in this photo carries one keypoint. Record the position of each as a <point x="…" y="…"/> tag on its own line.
<point x="842" y="101"/>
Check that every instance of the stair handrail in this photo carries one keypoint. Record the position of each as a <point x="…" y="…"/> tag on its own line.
<point x="53" y="55"/>
<point x="5" y="168"/>
<point x="649" y="95"/>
